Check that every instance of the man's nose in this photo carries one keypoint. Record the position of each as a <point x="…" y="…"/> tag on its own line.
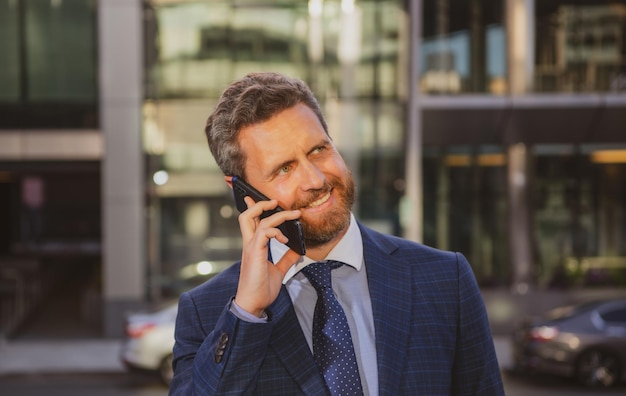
<point x="312" y="177"/>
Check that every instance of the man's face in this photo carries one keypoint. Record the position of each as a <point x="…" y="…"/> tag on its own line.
<point x="290" y="158"/>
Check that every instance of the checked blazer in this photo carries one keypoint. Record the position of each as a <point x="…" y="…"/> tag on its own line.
<point x="432" y="332"/>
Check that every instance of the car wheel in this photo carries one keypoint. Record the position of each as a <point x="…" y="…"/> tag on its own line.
<point x="166" y="372"/>
<point x="597" y="368"/>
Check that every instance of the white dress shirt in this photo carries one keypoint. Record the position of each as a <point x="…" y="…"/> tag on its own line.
<point x="352" y="292"/>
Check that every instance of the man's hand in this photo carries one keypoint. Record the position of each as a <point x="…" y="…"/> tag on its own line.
<point x="260" y="279"/>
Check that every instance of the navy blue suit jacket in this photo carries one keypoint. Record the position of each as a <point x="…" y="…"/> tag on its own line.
<point x="432" y="332"/>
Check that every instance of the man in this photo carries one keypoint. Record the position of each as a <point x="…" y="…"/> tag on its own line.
<point x="417" y="323"/>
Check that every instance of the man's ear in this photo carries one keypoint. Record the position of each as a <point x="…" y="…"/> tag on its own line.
<point x="229" y="181"/>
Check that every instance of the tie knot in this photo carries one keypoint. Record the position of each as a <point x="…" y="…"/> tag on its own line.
<point x="318" y="273"/>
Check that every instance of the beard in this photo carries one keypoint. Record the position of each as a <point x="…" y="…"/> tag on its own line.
<point x="320" y="230"/>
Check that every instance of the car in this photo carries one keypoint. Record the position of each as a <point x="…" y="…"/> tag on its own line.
<point x="149" y="336"/>
<point x="148" y="342"/>
<point x="586" y="342"/>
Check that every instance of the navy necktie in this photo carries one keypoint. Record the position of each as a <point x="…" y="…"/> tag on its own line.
<point x="332" y="344"/>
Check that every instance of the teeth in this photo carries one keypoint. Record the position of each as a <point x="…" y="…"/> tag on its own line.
<point x="320" y="201"/>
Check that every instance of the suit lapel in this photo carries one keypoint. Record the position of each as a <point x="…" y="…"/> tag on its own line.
<point x="392" y="315"/>
<point x="390" y="293"/>
<point x="290" y="346"/>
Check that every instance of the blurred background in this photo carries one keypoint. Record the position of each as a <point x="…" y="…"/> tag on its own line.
<point x="496" y="128"/>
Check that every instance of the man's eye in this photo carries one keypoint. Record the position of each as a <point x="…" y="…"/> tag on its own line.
<point x="285" y="169"/>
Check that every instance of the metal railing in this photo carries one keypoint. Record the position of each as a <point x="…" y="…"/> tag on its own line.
<point x="20" y="292"/>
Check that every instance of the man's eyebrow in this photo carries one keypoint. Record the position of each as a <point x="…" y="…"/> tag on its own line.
<point x="322" y="143"/>
<point x="274" y="170"/>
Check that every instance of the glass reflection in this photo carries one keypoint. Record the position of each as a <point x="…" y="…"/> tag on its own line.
<point x="463" y="47"/>
<point x="581" y="46"/>
<point x="55" y="32"/>
<point x="48" y="77"/>
<point x="351" y="53"/>
<point x="9" y="48"/>
<point x="465" y="207"/>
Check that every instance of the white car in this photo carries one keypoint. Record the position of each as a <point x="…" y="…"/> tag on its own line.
<point x="149" y="342"/>
<point x="150" y="336"/>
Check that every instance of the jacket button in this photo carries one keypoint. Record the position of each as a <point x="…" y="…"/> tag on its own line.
<point x="221" y="348"/>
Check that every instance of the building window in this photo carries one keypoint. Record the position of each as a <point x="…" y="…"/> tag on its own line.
<point x="465" y="207"/>
<point x="351" y="53"/>
<point x="580" y="46"/>
<point x="580" y="215"/>
<point x="48" y="67"/>
<point x="9" y="47"/>
<point x="463" y="47"/>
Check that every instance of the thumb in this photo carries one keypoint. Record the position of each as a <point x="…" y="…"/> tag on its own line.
<point x="287" y="261"/>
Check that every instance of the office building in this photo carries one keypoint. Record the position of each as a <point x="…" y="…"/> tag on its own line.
<point x="491" y="127"/>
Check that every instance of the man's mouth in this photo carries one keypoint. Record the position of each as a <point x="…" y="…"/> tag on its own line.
<point x="319" y="201"/>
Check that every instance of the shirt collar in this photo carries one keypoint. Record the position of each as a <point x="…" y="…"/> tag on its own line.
<point x="349" y="250"/>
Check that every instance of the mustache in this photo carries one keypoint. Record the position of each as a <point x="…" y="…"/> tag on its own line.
<point x="313" y="196"/>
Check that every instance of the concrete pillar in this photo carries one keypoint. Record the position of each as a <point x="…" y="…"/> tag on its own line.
<point x="121" y="79"/>
<point x="520" y="23"/>
<point x="443" y="204"/>
<point x="520" y="243"/>
<point x="412" y="204"/>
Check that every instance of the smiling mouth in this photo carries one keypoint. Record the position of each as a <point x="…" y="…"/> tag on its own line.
<point x="319" y="201"/>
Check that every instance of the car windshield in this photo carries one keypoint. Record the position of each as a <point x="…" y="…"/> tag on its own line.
<point x="570" y="310"/>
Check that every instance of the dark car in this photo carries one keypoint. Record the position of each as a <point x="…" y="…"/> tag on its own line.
<point x="586" y="342"/>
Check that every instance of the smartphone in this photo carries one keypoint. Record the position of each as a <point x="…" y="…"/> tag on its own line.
<point x="291" y="228"/>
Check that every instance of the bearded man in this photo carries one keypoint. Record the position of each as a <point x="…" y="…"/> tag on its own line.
<point x="361" y="313"/>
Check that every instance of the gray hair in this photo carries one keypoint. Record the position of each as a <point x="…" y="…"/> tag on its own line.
<point x="255" y="98"/>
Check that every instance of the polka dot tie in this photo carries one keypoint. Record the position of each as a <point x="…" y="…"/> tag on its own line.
<point x="332" y="344"/>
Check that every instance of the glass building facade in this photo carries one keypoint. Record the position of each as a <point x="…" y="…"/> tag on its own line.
<point x="50" y="156"/>
<point x="48" y="68"/>
<point x="489" y="127"/>
<point x="356" y="56"/>
<point x="521" y="102"/>
<point x="353" y="55"/>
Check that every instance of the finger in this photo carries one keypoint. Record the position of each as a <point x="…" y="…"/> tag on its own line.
<point x="279" y="218"/>
<point x="255" y="209"/>
<point x="250" y="218"/>
<point x="249" y="201"/>
<point x="263" y="235"/>
<point x="262" y="230"/>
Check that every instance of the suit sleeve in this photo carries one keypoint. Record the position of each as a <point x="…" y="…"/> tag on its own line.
<point x="220" y="360"/>
<point x="476" y="369"/>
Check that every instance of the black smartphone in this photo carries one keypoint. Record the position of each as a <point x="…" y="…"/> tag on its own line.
<point x="291" y="228"/>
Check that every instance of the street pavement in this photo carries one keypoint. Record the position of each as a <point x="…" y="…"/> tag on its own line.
<point x="103" y="356"/>
<point x="60" y="356"/>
